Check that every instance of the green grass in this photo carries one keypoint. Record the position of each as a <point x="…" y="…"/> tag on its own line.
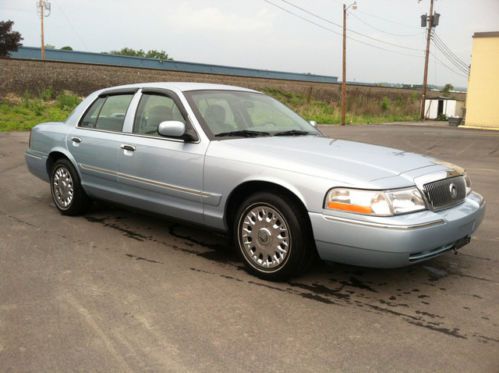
<point x="362" y="109"/>
<point x="22" y="113"/>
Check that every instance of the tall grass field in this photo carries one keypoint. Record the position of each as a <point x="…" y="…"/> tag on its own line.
<point x="21" y="113"/>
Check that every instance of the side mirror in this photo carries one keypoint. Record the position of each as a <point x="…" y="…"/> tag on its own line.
<point x="171" y="128"/>
<point x="313" y="123"/>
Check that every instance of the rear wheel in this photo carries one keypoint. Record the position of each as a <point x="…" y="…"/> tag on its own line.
<point x="273" y="236"/>
<point x="67" y="193"/>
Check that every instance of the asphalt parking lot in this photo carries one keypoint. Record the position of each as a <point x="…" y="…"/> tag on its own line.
<point x="116" y="290"/>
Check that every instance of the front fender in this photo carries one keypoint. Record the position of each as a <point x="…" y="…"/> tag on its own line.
<point x="278" y="181"/>
<point x="223" y="176"/>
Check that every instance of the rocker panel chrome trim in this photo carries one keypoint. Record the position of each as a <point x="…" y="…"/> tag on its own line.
<point x="214" y="198"/>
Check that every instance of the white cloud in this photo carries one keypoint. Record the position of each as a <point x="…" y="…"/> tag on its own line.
<point x="192" y="18"/>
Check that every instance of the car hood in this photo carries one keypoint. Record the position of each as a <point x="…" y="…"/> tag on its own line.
<point x="343" y="160"/>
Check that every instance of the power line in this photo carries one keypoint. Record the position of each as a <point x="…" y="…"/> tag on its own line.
<point x="337" y="33"/>
<point x="71" y="25"/>
<point x="445" y="44"/>
<point x="439" y="42"/>
<point x="455" y="66"/>
<point x="448" y="67"/>
<point x="383" y="31"/>
<point x="350" y="30"/>
<point x="303" y="18"/>
<point x="449" y="59"/>
<point x="452" y="58"/>
<point x="386" y="19"/>
<point x="449" y="53"/>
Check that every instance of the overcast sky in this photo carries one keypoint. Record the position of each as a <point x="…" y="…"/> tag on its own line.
<point x="259" y="35"/>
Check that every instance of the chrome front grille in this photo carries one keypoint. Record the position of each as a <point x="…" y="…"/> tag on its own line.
<point x="445" y="193"/>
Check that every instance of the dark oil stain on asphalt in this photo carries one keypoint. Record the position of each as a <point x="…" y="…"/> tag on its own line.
<point x="454" y="332"/>
<point x="142" y="258"/>
<point x="217" y="252"/>
<point x="346" y="293"/>
<point x="435" y="273"/>
<point x="323" y="294"/>
<point x="323" y="290"/>
<point x="356" y="283"/>
<point x="127" y="232"/>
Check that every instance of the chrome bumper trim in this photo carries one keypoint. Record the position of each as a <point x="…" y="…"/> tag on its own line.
<point x="385" y="225"/>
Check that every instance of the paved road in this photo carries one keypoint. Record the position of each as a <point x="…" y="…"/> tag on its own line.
<point x="119" y="291"/>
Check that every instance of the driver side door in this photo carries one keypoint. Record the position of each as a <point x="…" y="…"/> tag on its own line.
<point x="161" y="174"/>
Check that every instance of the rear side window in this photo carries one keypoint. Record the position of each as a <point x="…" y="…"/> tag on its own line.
<point x="107" y="113"/>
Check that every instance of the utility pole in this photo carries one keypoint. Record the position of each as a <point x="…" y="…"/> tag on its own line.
<point x="344" y="67"/>
<point x="429" y="26"/>
<point x="43" y="5"/>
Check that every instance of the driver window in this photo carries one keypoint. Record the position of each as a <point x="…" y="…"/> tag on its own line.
<point x="154" y="109"/>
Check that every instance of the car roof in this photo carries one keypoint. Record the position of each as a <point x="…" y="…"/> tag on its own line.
<point x="182" y="86"/>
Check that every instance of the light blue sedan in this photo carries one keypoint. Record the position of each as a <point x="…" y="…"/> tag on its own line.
<point x="238" y="161"/>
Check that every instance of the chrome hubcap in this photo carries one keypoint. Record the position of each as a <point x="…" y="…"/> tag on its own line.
<point x="264" y="236"/>
<point x="63" y="187"/>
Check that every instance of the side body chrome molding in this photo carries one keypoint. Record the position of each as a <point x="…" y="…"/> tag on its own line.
<point x="210" y="198"/>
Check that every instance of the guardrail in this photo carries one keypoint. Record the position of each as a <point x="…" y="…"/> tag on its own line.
<point x="32" y="53"/>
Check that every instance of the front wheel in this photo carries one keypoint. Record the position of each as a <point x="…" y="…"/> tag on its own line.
<point x="67" y="193"/>
<point x="273" y="236"/>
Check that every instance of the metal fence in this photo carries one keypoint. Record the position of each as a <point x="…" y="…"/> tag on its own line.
<point x="31" y="53"/>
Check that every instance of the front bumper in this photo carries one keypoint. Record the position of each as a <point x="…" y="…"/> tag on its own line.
<point x="390" y="242"/>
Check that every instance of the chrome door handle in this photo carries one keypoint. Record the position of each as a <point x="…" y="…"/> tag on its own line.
<point x="127" y="147"/>
<point x="76" y="140"/>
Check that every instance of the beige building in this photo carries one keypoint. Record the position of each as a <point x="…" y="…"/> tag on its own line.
<point x="482" y="99"/>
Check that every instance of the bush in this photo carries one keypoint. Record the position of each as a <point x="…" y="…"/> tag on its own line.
<point x="442" y="117"/>
<point x="67" y="101"/>
<point x="385" y="104"/>
<point x="47" y="94"/>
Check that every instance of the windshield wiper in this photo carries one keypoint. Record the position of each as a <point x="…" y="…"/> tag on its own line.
<point x="294" y="133"/>
<point x="243" y="133"/>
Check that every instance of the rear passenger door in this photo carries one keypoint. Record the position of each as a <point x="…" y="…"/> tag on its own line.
<point x="95" y="143"/>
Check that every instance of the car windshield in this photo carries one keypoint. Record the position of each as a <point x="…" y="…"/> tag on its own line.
<point x="246" y="114"/>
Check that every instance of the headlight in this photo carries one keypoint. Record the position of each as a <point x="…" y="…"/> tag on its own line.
<point x="375" y="202"/>
<point x="468" y="184"/>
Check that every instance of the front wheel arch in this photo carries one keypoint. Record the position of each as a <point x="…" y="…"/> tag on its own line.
<point x="242" y="191"/>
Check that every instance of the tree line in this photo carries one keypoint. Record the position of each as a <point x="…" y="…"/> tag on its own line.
<point x="10" y="41"/>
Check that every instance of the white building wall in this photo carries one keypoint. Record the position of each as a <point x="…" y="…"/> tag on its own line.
<point x="431" y="109"/>
<point x="451" y="108"/>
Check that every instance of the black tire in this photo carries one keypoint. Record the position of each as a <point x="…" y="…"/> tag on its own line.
<point x="79" y="202"/>
<point x="300" y="245"/>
